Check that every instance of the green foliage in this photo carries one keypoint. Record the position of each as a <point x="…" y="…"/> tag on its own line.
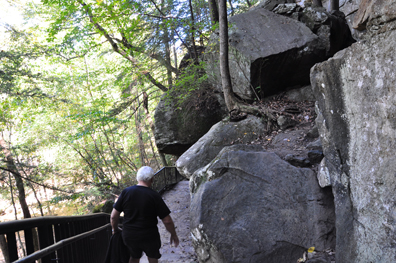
<point x="192" y="78"/>
<point x="71" y="91"/>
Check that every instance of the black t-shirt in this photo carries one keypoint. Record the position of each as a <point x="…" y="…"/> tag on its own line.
<point x="141" y="206"/>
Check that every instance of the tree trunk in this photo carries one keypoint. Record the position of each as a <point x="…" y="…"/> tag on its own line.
<point x="154" y="155"/>
<point x="18" y="178"/>
<point x="163" y="159"/>
<point x="32" y="187"/>
<point x="234" y="106"/>
<point x="195" y="53"/>
<point x="151" y="125"/>
<point x="317" y="3"/>
<point x="138" y="128"/>
<point x="214" y="12"/>
<point x="232" y="8"/>
<point x="4" y="248"/>
<point x="48" y="203"/>
<point x="224" y="63"/>
<point x="21" y="189"/>
<point x="16" y="215"/>
<point x="37" y="199"/>
<point x="168" y="56"/>
<point x="334" y="5"/>
<point x="175" y="56"/>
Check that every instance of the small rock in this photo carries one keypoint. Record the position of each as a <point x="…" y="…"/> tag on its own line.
<point x="323" y="174"/>
<point x="285" y="122"/>
<point x="315" y="145"/>
<point x="313" y="133"/>
<point x="311" y="255"/>
<point x="297" y="161"/>
<point x="319" y="257"/>
<point x="285" y="9"/>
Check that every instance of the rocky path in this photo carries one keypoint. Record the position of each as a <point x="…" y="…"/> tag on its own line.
<point x="178" y="201"/>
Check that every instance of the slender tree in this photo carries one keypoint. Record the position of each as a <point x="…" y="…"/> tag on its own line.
<point x="317" y="3"/>
<point x="4" y="248"/>
<point x="11" y="167"/>
<point x="334" y="5"/>
<point x="214" y="11"/>
<point x="234" y="105"/>
<point x="229" y="96"/>
<point x="195" y="53"/>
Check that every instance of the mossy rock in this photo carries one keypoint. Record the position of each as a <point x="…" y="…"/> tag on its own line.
<point x="107" y="207"/>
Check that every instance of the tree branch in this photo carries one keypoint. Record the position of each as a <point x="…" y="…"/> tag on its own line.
<point x="30" y="180"/>
<point x="80" y="56"/>
<point x="117" y="49"/>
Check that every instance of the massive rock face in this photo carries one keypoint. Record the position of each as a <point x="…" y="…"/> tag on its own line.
<point x="248" y="205"/>
<point x="271" y="52"/>
<point x="254" y="35"/>
<point x="356" y="93"/>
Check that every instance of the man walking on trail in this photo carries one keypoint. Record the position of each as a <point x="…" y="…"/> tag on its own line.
<point x="141" y="206"/>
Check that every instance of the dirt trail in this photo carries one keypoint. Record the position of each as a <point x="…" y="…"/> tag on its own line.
<point x="178" y="201"/>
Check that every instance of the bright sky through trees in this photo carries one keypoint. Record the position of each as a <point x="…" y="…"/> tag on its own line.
<point x="10" y="14"/>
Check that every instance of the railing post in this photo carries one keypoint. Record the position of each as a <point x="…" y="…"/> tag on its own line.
<point x="73" y="232"/>
<point x="46" y="238"/>
<point x="12" y="248"/>
<point x="58" y="237"/>
<point x="79" y="251"/>
<point x="85" y="242"/>
<point x="29" y="240"/>
<point x="67" y="251"/>
<point x="165" y="181"/>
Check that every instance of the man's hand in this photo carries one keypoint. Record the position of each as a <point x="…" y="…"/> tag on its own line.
<point x="115" y="215"/>
<point x="168" y="222"/>
<point x="118" y="229"/>
<point x="174" y="240"/>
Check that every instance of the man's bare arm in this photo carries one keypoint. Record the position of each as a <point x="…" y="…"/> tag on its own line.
<point x="170" y="226"/>
<point x="114" y="217"/>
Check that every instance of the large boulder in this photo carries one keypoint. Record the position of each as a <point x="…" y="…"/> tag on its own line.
<point x="180" y="123"/>
<point x="356" y="98"/>
<point x="224" y="133"/>
<point x="271" y="52"/>
<point x="249" y="205"/>
<point x="189" y="109"/>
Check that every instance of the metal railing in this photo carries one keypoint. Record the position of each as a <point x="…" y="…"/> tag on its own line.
<point x="61" y="239"/>
<point x="166" y="178"/>
<point x="71" y="239"/>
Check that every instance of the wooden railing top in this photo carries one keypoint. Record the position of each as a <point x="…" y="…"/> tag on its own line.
<point x="22" y="224"/>
<point x="18" y="225"/>
<point x="39" y="254"/>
